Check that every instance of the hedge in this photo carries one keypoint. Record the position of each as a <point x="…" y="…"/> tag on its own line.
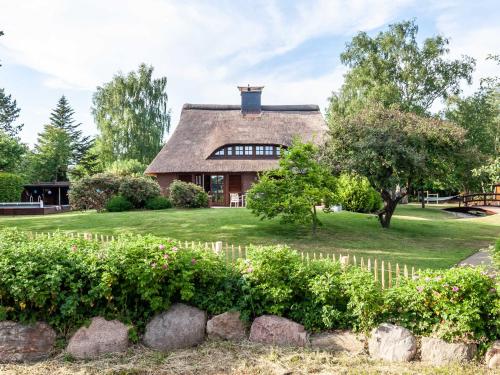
<point x="11" y="187"/>
<point x="66" y="281"/>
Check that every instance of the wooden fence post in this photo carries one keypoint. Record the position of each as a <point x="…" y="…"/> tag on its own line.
<point x="382" y="276"/>
<point x="218" y="247"/>
<point x="375" y="269"/>
<point x="390" y="275"/>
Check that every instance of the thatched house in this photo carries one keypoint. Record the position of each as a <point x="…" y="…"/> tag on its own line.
<point x="223" y="147"/>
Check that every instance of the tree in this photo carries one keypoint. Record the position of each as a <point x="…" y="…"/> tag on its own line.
<point x="9" y="112"/>
<point x="62" y="118"/>
<point x="126" y="167"/>
<point x="11" y="152"/>
<point x="392" y="68"/>
<point x="479" y="116"/>
<point x="52" y="155"/>
<point x="294" y="189"/>
<point x="89" y="165"/>
<point x="131" y="115"/>
<point x="392" y="148"/>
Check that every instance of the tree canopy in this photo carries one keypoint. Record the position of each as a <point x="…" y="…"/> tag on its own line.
<point x="295" y="188"/>
<point x="392" y="68"/>
<point x="392" y="148"/>
<point x="131" y="115"/>
<point x="62" y="118"/>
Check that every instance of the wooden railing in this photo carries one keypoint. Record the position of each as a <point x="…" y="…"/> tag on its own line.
<point x="480" y="199"/>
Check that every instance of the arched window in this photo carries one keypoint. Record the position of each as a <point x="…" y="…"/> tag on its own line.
<point x="248" y="151"/>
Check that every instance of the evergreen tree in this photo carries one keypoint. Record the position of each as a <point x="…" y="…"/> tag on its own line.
<point x="9" y="112"/>
<point x="52" y="156"/>
<point x="62" y="118"/>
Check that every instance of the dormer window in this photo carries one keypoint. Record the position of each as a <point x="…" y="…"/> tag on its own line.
<point x="248" y="152"/>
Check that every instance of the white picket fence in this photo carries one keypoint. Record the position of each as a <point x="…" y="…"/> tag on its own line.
<point x="383" y="271"/>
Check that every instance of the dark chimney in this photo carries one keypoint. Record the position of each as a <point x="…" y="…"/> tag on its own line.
<point x="250" y="98"/>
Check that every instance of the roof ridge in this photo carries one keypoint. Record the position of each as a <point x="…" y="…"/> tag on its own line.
<point x="237" y="107"/>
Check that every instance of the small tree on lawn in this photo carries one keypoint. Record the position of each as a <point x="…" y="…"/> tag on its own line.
<point x="393" y="149"/>
<point x="294" y="189"/>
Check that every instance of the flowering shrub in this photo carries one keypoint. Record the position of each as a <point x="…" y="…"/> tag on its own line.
<point x="320" y="295"/>
<point x="187" y="195"/>
<point x="456" y="304"/>
<point x="65" y="281"/>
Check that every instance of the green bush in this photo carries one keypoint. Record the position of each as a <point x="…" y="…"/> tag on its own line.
<point x="119" y="203"/>
<point x="138" y="190"/>
<point x="354" y="193"/>
<point x="66" y="281"/>
<point x="456" y="304"/>
<point x="319" y="295"/>
<point x="187" y="195"/>
<point x="11" y="187"/>
<point x="158" y="203"/>
<point x="93" y="192"/>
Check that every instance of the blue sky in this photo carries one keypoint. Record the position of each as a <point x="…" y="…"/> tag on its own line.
<point x="207" y="48"/>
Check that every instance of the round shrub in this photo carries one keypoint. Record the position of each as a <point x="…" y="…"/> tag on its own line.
<point x="138" y="190"/>
<point x="187" y="195"/>
<point x="355" y="194"/>
<point x="94" y="192"/>
<point x="158" y="203"/>
<point x="119" y="203"/>
<point x="459" y="304"/>
<point x="11" y="187"/>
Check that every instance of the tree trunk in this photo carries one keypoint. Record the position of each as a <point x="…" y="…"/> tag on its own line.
<point x="423" y="198"/>
<point x="314" y="220"/>
<point x="390" y="203"/>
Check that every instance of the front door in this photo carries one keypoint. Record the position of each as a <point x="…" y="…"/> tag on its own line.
<point x="217" y="190"/>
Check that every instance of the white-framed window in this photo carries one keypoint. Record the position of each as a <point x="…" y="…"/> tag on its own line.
<point x="238" y="150"/>
<point x="278" y="150"/>
<point x="259" y="150"/>
<point x="229" y="151"/>
<point x="220" y="152"/>
<point x="268" y="150"/>
<point x="248" y="150"/>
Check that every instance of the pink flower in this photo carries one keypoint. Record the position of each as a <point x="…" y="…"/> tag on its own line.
<point x="455" y="288"/>
<point x="427" y="279"/>
<point x="153" y="265"/>
<point x="165" y="266"/>
<point x="420" y="289"/>
<point x="193" y="261"/>
<point x="165" y="256"/>
<point x="161" y="247"/>
<point x="73" y="248"/>
<point x="493" y="290"/>
<point x="438" y="278"/>
<point x="249" y="269"/>
<point x="174" y="248"/>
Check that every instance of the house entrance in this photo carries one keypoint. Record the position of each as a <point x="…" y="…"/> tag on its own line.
<point x="217" y="189"/>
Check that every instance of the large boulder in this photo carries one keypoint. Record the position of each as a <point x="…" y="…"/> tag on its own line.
<point x="392" y="343"/>
<point x="338" y="341"/>
<point x="227" y="326"/>
<point x="101" y="337"/>
<point x="181" y="326"/>
<point x="25" y="343"/>
<point x="271" y="329"/>
<point x="440" y="352"/>
<point x="492" y="357"/>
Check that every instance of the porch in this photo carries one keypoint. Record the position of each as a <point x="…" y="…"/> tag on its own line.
<point x="219" y="186"/>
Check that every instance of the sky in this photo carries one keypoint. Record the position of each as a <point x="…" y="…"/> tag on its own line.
<point x="207" y="48"/>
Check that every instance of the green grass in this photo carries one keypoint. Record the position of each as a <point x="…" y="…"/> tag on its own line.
<point x="424" y="238"/>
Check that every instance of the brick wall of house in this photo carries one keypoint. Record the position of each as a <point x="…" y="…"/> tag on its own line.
<point x="247" y="179"/>
<point x="165" y="179"/>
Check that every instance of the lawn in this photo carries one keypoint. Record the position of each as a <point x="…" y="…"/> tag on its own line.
<point x="424" y="238"/>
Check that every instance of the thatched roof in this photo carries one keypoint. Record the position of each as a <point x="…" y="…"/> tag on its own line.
<point x="204" y="128"/>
